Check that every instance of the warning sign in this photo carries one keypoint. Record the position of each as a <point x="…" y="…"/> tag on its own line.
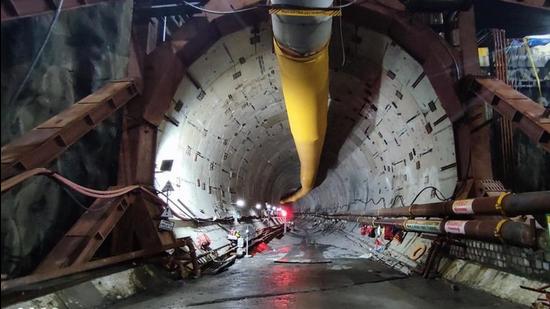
<point x="168" y="187"/>
<point x="463" y="207"/>
<point x="167" y="213"/>
<point x="455" y="227"/>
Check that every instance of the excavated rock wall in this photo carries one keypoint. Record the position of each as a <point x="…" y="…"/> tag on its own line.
<point x="87" y="48"/>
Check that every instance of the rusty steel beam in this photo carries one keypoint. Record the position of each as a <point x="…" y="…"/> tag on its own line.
<point x="15" y="9"/>
<point x="141" y="213"/>
<point x="504" y="126"/>
<point x="531" y="118"/>
<point x="18" y="283"/>
<point x="473" y="135"/>
<point x="162" y="74"/>
<point x="81" y="242"/>
<point x="47" y="141"/>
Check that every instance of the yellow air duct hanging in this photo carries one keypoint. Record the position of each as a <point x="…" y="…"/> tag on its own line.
<point x="305" y="84"/>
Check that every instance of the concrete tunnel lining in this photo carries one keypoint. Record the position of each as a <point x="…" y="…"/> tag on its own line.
<point x="218" y="158"/>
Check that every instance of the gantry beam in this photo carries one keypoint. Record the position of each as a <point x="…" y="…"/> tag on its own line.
<point x="525" y="114"/>
<point x="47" y="141"/>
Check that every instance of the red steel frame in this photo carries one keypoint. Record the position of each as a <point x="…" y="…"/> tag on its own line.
<point x="162" y="71"/>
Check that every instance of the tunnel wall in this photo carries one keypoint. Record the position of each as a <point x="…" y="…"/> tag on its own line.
<point x="390" y="135"/>
<point x="387" y="130"/>
<point x="87" y="48"/>
<point x="232" y="128"/>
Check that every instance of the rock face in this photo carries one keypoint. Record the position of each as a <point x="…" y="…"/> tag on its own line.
<point x="87" y="48"/>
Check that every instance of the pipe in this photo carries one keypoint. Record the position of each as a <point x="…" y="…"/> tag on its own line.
<point x="500" y="231"/>
<point x="301" y="46"/>
<point x="510" y="205"/>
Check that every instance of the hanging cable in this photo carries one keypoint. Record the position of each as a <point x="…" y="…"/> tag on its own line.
<point x="205" y="10"/>
<point x="220" y="12"/>
<point x="345" y="5"/>
<point x="342" y="40"/>
<point x="440" y="197"/>
<point x="100" y="194"/>
<point x="533" y="66"/>
<point x="74" y="198"/>
<point x="38" y="54"/>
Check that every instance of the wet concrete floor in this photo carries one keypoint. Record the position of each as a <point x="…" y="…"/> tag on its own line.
<point x="294" y="272"/>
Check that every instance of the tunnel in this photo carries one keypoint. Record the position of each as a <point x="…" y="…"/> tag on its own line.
<point x="150" y="160"/>
<point x="388" y="133"/>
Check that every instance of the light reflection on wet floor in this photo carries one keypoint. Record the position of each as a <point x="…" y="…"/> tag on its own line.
<point x="312" y="275"/>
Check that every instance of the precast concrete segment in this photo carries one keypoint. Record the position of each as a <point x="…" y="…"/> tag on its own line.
<point x="505" y="204"/>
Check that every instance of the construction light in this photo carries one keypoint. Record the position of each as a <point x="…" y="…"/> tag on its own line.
<point x="258" y="206"/>
<point x="240" y="203"/>
<point x="283" y="213"/>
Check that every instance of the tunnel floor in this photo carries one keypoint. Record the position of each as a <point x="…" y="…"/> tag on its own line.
<point x="298" y="272"/>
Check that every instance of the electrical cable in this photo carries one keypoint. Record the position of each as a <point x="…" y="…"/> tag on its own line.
<point x="75" y="199"/>
<point x="436" y="190"/>
<point x="341" y="26"/>
<point x="345" y="5"/>
<point x="67" y="184"/>
<point x="533" y="66"/>
<point x="38" y="54"/>
<point x="205" y="10"/>
<point x="220" y="12"/>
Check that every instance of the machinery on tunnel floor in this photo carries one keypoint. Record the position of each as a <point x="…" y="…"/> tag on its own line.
<point x="202" y="132"/>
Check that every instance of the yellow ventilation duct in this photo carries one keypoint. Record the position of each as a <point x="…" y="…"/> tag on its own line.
<point x="305" y="81"/>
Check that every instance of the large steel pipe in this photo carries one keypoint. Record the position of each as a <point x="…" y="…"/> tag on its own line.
<point x="301" y="46"/>
<point x="501" y="231"/>
<point x="510" y="205"/>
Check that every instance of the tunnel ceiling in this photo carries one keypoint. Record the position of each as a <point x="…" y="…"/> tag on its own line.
<point x="388" y="134"/>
